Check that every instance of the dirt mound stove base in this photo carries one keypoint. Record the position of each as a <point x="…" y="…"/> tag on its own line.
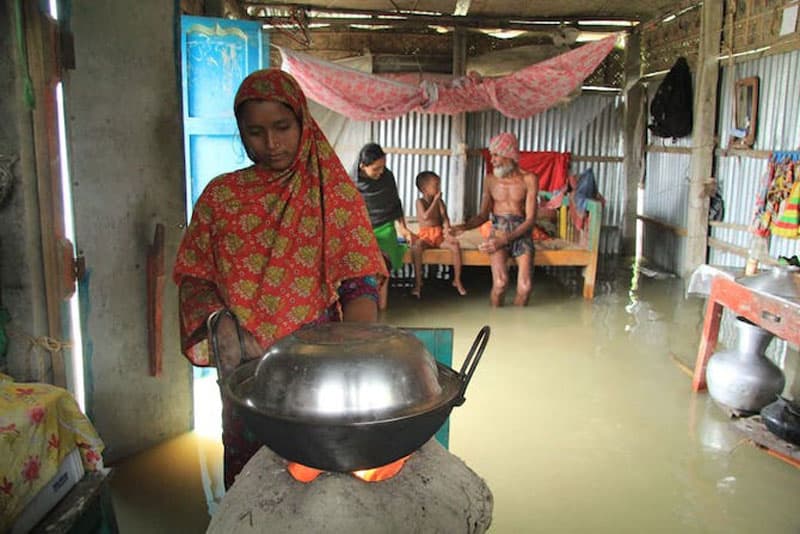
<point x="434" y="493"/>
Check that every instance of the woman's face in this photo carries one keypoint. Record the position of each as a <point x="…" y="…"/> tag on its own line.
<point x="271" y="132"/>
<point x="374" y="169"/>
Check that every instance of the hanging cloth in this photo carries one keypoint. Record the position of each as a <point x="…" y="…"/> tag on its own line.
<point x="788" y="222"/>
<point x="367" y="97"/>
<point x="774" y="196"/>
<point x="551" y="167"/>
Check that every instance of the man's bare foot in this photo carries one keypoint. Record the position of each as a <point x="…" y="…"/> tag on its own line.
<point x="417" y="292"/>
<point x="460" y="288"/>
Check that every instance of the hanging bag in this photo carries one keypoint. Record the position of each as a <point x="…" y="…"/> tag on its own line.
<point x="671" y="108"/>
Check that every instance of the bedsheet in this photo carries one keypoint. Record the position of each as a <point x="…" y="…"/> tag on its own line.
<point x="39" y="425"/>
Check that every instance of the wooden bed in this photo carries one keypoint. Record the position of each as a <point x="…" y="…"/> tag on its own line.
<point x="570" y="247"/>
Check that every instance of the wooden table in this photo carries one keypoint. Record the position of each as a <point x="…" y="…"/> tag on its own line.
<point x="779" y="316"/>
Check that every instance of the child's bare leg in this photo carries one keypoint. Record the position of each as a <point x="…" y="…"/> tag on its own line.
<point x="416" y="252"/>
<point x="383" y="295"/>
<point x="455" y="250"/>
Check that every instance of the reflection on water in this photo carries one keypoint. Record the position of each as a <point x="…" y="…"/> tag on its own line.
<point x="577" y="417"/>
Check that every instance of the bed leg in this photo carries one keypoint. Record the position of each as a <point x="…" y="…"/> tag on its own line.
<point x="589" y="275"/>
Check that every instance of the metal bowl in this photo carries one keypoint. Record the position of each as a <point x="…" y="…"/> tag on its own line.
<point x="348" y="396"/>
<point x="345" y="371"/>
<point x="780" y="281"/>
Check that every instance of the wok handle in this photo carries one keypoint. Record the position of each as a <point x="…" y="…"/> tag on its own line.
<point x="465" y="375"/>
<point x="211" y="327"/>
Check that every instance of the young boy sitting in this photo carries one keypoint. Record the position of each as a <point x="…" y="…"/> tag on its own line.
<point x="434" y="229"/>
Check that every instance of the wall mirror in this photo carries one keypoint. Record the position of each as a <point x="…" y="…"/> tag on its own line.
<point x="745" y="112"/>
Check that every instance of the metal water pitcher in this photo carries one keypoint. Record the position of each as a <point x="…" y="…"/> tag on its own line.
<point x="743" y="380"/>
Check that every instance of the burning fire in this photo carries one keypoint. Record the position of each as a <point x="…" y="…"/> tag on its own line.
<point x="303" y="473"/>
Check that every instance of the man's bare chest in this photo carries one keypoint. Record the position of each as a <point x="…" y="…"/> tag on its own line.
<point x="509" y="189"/>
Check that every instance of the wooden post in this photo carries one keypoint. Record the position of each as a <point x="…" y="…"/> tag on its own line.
<point x="456" y="194"/>
<point x="155" y="298"/>
<point x="635" y="120"/>
<point x="41" y="44"/>
<point x="703" y="139"/>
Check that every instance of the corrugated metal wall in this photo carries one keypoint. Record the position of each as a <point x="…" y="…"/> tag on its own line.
<point x="590" y="126"/>
<point x="777" y="129"/>
<point x="415" y="131"/>
<point x="666" y="186"/>
<point x="739" y="176"/>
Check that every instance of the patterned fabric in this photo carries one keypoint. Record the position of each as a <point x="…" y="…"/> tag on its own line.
<point x="505" y="145"/>
<point x="788" y="222"/>
<point x="774" y="192"/>
<point x="40" y="425"/>
<point x="508" y="223"/>
<point x="525" y="93"/>
<point x="273" y="247"/>
<point x="432" y="235"/>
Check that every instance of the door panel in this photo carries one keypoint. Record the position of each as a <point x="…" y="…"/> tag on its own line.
<point x="217" y="54"/>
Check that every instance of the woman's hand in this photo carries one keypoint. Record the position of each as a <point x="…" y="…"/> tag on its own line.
<point x="409" y="236"/>
<point x="228" y="349"/>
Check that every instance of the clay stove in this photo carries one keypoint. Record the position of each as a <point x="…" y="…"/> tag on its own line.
<point x="434" y="492"/>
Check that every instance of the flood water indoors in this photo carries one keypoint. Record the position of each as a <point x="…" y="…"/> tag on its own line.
<point x="579" y="417"/>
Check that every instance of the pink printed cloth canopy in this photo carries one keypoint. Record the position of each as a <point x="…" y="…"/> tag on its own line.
<point x="362" y="96"/>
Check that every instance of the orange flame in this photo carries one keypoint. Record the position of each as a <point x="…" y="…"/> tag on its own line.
<point x="305" y="474"/>
<point x="384" y="472"/>
<point x="302" y="473"/>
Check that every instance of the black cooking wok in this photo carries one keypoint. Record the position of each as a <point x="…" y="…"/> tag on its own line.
<point x="411" y="394"/>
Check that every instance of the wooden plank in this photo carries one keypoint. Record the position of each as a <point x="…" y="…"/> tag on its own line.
<point x="755" y="429"/>
<point x="734" y="249"/>
<point x="746" y="152"/>
<point x="550" y="257"/>
<point x="668" y="149"/>
<point x="87" y="504"/>
<point x="155" y="297"/>
<point x="730" y="226"/>
<point x="677" y="230"/>
<point x="418" y="151"/>
<point x="598" y="159"/>
<point x="40" y="43"/>
<point x="582" y="252"/>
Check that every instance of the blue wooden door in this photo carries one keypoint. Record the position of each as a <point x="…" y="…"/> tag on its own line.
<point x="216" y="55"/>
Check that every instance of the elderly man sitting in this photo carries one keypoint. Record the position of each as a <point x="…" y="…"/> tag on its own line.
<point x="509" y="201"/>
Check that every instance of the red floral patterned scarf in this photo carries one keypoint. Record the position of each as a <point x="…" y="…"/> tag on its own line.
<point x="273" y="247"/>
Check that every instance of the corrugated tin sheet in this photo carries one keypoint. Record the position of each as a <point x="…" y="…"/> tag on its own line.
<point x="420" y="131"/>
<point x="666" y="186"/>
<point x="777" y="129"/>
<point x="590" y="126"/>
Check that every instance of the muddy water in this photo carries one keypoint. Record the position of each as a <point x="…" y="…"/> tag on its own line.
<point x="580" y="418"/>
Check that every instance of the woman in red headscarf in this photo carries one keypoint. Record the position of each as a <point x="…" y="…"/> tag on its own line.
<point x="283" y="243"/>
